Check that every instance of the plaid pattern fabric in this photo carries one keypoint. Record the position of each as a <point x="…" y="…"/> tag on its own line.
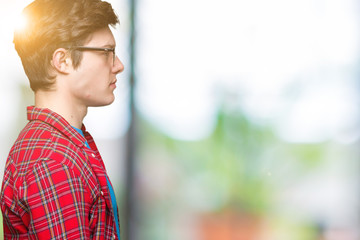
<point x="54" y="187"/>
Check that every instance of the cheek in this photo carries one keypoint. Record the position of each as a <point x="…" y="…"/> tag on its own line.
<point x="93" y="79"/>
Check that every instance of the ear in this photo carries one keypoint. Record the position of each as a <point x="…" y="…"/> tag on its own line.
<point x="61" y="61"/>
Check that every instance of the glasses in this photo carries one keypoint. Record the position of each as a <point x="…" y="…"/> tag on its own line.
<point x="106" y="50"/>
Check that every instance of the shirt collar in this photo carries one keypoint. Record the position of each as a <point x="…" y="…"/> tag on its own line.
<point x="56" y="121"/>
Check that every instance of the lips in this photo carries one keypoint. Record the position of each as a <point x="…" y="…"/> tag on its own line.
<point x="113" y="84"/>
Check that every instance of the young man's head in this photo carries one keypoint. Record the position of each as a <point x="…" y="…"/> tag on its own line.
<point x="60" y="24"/>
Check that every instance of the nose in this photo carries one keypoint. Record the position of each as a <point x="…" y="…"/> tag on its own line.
<point x="118" y="66"/>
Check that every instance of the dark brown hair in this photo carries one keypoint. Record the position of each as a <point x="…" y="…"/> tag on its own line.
<point x="52" y="24"/>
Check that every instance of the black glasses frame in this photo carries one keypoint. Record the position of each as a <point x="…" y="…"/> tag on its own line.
<point x="83" y="48"/>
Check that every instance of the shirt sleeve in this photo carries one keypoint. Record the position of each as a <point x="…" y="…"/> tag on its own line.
<point x="56" y="202"/>
<point x="12" y="222"/>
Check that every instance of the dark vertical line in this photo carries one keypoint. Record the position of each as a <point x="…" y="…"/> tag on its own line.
<point x="130" y="191"/>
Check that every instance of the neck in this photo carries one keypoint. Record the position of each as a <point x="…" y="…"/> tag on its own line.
<point x="73" y="113"/>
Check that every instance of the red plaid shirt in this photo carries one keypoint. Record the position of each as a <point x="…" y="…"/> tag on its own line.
<point x="55" y="187"/>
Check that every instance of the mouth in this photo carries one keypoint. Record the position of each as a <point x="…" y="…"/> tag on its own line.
<point x="113" y="83"/>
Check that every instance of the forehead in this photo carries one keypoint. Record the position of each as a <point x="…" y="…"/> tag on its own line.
<point x="102" y="38"/>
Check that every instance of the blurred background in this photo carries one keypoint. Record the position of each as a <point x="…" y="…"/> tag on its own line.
<point x="243" y="121"/>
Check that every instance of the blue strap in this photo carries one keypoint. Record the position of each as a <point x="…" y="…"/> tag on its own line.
<point x="114" y="205"/>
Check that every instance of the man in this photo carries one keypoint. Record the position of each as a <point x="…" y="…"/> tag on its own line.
<point x="55" y="184"/>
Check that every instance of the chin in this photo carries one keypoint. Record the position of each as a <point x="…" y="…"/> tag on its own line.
<point x="104" y="102"/>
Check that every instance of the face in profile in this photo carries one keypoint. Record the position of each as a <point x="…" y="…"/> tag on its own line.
<point x="94" y="81"/>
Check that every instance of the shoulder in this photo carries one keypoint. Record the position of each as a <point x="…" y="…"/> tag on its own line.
<point x="40" y="141"/>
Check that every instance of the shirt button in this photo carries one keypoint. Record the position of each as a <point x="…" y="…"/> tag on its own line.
<point x="93" y="155"/>
<point x="114" y="236"/>
<point x="102" y="193"/>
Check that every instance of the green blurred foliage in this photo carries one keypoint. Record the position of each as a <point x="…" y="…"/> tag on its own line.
<point x="1" y="228"/>
<point x="242" y="166"/>
<point x="239" y="165"/>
